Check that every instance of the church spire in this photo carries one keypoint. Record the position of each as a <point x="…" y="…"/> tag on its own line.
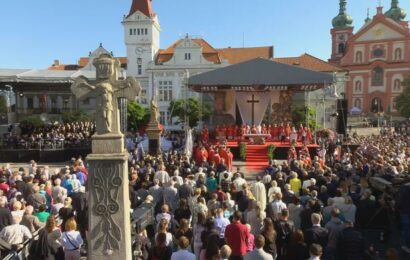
<point x="342" y="20"/>
<point x="368" y="16"/>
<point x="144" y="6"/>
<point x="396" y="13"/>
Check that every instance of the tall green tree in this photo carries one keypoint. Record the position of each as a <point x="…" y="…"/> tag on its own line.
<point x="299" y="116"/>
<point x="403" y="100"/>
<point x="192" y="108"/>
<point x="137" y="115"/>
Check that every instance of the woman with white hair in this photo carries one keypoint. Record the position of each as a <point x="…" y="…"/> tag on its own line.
<point x="274" y="189"/>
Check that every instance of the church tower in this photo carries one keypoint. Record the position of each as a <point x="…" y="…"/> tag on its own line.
<point x="141" y="36"/>
<point x="341" y="32"/>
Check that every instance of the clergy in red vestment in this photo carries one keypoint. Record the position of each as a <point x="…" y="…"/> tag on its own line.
<point x="264" y="129"/>
<point x="230" y="131"/>
<point x="236" y="132"/>
<point x="288" y="130"/>
<point x="217" y="157"/>
<point x="276" y="132"/>
<point x="308" y="135"/>
<point x="224" y="154"/>
<point x="300" y="130"/>
<point x="211" y="154"/>
<point x="229" y="162"/>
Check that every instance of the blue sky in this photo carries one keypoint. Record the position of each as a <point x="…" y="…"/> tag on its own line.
<point x="34" y="33"/>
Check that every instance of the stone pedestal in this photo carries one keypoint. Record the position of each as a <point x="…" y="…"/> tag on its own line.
<point x="108" y="200"/>
<point x="154" y="139"/>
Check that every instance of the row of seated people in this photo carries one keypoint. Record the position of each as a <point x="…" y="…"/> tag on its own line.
<point x="283" y="132"/>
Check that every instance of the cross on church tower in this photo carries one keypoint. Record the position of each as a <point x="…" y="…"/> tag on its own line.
<point x="253" y="102"/>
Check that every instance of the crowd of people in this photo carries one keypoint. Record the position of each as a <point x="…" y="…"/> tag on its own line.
<point x="50" y="136"/>
<point x="204" y="209"/>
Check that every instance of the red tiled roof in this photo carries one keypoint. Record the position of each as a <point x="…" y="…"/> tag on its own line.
<point x="233" y="55"/>
<point x="144" y="6"/>
<point x="309" y="62"/>
<point x="238" y="55"/>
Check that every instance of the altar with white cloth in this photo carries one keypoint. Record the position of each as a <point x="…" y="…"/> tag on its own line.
<point x="257" y="138"/>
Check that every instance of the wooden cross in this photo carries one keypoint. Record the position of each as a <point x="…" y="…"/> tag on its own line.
<point x="253" y="102"/>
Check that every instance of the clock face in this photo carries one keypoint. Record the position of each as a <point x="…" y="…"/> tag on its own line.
<point x="139" y="50"/>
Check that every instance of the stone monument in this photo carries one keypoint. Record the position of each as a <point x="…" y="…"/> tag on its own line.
<point x="153" y="130"/>
<point x="108" y="199"/>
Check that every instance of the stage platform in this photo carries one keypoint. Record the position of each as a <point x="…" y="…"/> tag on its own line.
<point x="256" y="154"/>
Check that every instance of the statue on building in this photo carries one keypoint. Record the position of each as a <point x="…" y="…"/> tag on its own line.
<point x="154" y="110"/>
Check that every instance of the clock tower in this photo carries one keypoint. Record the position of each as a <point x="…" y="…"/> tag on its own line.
<point x="141" y="36"/>
<point x="341" y="32"/>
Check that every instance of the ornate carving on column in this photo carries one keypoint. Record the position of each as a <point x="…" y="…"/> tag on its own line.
<point x="105" y="187"/>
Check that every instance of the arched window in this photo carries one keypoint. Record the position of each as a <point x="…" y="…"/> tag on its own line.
<point x="376" y="105"/>
<point x="358" y="86"/>
<point x="359" y="57"/>
<point x="377" y="76"/>
<point x="397" y="85"/>
<point x="358" y="103"/>
<point x="341" y="48"/>
<point x="397" y="54"/>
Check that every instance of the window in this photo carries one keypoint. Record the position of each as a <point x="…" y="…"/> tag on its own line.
<point x="397" y="85"/>
<point x="358" y="86"/>
<point x="130" y="31"/>
<point x="30" y="103"/>
<point x="139" y="69"/>
<point x="377" y="76"/>
<point x="341" y="48"/>
<point x="162" y="116"/>
<point x="187" y="56"/>
<point x="86" y="101"/>
<point x="138" y="31"/>
<point x="146" y="31"/>
<point x="358" y="103"/>
<point x="397" y="54"/>
<point x="143" y="97"/>
<point x="165" y="90"/>
<point x="359" y="57"/>
<point x="376" y="105"/>
<point x="378" y="53"/>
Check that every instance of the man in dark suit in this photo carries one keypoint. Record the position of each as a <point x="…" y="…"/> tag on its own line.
<point x="5" y="214"/>
<point x="316" y="234"/>
<point x="350" y="243"/>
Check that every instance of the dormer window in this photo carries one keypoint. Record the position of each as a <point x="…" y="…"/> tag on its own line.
<point x="187" y="56"/>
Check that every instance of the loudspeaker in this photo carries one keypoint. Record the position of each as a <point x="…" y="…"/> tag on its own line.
<point x="341" y="123"/>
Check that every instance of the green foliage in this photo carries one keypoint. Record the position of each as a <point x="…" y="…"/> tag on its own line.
<point x="32" y="121"/>
<point x="76" y="116"/>
<point x="242" y="151"/>
<point x="3" y="104"/>
<point x="137" y="115"/>
<point x="299" y="116"/>
<point x="403" y="100"/>
<point x="271" y="151"/>
<point x="194" y="110"/>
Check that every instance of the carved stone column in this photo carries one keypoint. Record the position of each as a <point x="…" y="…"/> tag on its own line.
<point x="108" y="198"/>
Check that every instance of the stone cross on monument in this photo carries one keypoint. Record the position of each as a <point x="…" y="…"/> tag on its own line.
<point x="108" y="199"/>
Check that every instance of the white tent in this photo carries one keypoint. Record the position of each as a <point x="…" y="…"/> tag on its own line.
<point x="355" y="110"/>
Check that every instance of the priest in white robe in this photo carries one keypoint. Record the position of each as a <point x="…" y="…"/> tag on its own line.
<point x="259" y="192"/>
